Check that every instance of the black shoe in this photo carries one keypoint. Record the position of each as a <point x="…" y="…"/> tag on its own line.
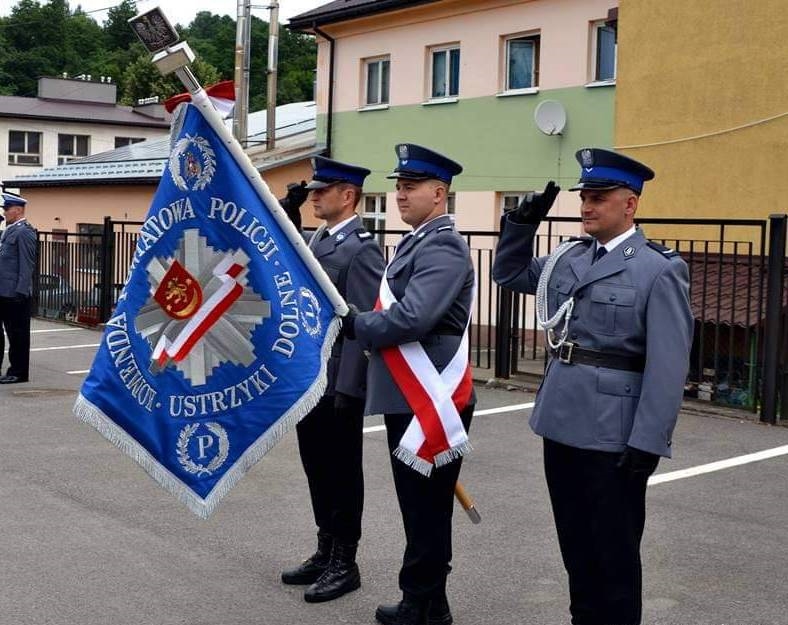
<point x="341" y="577"/>
<point x="314" y="566"/>
<point x="12" y="379"/>
<point x="406" y="612"/>
<point x="439" y="613"/>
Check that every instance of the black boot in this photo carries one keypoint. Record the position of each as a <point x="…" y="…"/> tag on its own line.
<point x="439" y="613"/>
<point x="341" y="577"/>
<point x="409" y="611"/>
<point x="314" y="566"/>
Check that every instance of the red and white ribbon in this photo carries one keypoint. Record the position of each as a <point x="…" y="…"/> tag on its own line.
<point x="436" y="435"/>
<point x="206" y="316"/>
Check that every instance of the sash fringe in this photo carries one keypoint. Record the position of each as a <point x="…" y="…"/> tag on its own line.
<point x="203" y="508"/>
<point x="451" y="454"/>
<point x="413" y="461"/>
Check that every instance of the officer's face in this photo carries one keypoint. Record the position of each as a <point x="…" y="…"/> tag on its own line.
<point x="13" y="213"/>
<point x="420" y="200"/>
<point x="333" y="204"/>
<point x="606" y="214"/>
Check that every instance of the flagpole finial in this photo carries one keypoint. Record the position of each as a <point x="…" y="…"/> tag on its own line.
<point x="160" y="38"/>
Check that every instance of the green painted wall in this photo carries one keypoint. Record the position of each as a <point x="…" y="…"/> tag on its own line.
<point x="495" y="139"/>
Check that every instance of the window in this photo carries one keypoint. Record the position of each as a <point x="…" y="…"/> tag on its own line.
<point x="24" y="148"/>
<point x="510" y="201"/>
<point x="451" y="204"/>
<point x="70" y="147"/>
<point x="445" y="72"/>
<point x="605" y="52"/>
<point x="374" y="214"/>
<point x="522" y="62"/>
<point x="377" y="81"/>
<point x="124" y="141"/>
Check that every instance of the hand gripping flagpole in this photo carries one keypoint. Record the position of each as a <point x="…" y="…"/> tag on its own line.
<point x="160" y="38"/>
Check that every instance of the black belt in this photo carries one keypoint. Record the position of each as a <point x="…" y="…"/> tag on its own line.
<point x="570" y="353"/>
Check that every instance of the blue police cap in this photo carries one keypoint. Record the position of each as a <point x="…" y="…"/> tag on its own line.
<point x="604" y="169"/>
<point x="10" y="199"/>
<point x="418" y="163"/>
<point x="328" y="172"/>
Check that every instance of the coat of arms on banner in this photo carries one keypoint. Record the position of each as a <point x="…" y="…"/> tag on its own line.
<point x="220" y="338"/>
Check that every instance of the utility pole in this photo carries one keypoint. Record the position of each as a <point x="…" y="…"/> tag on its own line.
<point x="243" y="36"/>
<point x="273" y="54"/>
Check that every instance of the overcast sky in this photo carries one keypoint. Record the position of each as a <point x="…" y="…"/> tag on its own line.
<point x="182" y="12"/>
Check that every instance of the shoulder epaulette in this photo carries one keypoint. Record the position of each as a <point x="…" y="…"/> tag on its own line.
<point x="586" y="240"/>
<point x="363" y="234"/>
<point x="665" y="251"/>
<point x="444" y="228"/>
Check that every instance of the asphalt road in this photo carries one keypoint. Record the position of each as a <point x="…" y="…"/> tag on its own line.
<point x="88" y="539"/>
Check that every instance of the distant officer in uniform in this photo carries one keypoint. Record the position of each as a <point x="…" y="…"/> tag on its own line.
<point x="617" y="315"/>
<point x="432" y="279"/>
<point x="18" y="246"/>
<point x="330" y="437"/>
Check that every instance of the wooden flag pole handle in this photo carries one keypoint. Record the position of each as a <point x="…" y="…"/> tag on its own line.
<point x="467" y="503"/>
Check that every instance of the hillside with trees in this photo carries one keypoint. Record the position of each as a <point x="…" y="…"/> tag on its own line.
<point x="50" y="39"/>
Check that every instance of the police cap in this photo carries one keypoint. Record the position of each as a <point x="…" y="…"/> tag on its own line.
<point x="604" y="169"/>
<point x="418" y="163"/>
<point x="328" y="172"/>
<point x="11" y="199"/>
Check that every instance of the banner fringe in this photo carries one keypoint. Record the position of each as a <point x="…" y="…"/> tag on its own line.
<point x="89" y="413"/>
<point x="413" y="461"/>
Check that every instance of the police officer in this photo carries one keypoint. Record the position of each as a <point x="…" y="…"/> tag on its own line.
<point x="330" y="436"/>
<point x="431" y="278"/>
<point x="618" y="323"/>
<point x="18" y="244"/>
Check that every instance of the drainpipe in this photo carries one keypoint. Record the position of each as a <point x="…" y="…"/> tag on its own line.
<point x="330" y="122"/>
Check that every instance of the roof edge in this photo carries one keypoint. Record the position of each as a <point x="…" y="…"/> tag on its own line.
<point x="307" y="21"/>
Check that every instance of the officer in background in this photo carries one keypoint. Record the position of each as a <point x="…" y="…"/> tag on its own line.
<point x="616" y="311"/>
<point x="432" y="278"/>
<point x="330" y="436"/>
<point x="18" y="248"/>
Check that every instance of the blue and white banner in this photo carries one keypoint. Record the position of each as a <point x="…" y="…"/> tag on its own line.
<point x="219" y="342"/>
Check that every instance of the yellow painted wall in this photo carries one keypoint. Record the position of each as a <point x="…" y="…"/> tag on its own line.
<point x="701" y="67"/>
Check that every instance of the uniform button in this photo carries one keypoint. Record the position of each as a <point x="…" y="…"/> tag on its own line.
<point x="627" y="388"/>
<point x="612" y="298"/>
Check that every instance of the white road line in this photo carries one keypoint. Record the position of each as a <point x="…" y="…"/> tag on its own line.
<point x="78" y="372"/>
<point x="52" y="349"/>
<point x="380" y="428"/>
<point x="55" y="330"/>
<point x="718" y="466"/>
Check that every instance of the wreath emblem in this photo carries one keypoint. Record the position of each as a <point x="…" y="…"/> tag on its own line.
<point x="183" y="449"/>
<point x="310" y="312"/>
<point x="192" y="163"/>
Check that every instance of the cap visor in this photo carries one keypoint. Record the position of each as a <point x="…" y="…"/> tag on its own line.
<point x="409" y="176"/>
<point x="595" y="186"/>
<point x="316" y="184"/>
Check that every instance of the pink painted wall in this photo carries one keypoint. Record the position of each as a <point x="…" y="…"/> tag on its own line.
<point x="564" y="25"/>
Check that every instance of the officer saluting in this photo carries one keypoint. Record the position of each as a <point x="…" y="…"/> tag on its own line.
<point x="18" y="248"/>
<point x="419" y="352"/>
<point x="330" y="436"/>
<point x="616" y="312"/>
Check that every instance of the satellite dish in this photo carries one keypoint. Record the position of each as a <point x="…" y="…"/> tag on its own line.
<point x="550" y="117"/>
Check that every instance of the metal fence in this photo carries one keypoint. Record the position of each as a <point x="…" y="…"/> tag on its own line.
<point x="737" y="298"/>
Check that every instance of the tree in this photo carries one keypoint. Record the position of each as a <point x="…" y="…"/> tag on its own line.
<point x="141" y="79"/>
<point x="118" y="35"/>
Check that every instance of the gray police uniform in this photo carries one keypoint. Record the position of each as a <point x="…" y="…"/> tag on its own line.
<point x="633" y="302"/>
<point x="18" y="244"/>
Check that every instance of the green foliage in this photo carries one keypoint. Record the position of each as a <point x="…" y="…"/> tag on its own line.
<point x="48" y="38"/>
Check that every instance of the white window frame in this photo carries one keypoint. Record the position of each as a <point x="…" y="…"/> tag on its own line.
<point x="511" y="200"/>
<point x="535" y="37"/>
<point x="445" y="50"/>
<point x="377" y="213"/>
<point x="65" y="158"/>
<point x="379" y="101"/>
<point x="594" y="56"/>
<point x="27" y="157"/>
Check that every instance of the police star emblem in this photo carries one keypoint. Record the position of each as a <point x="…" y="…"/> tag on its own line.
<point x="192" y="163"/>
<point x="629" y="251"/>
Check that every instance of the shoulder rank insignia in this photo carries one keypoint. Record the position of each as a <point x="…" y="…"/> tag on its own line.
<point x="629" y="251"/>
<point x="364" y="235"/>
<point x="444" y="228"/>
<point x="665" y="251"/>
<point x="340" y="237"/>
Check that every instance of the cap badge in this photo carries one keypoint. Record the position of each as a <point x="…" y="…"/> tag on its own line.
<point x="629" y="251"/>
<point x="587" y="156"/>
<point x="403" y="151"/>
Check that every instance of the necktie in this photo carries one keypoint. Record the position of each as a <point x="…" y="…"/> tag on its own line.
<point x="325" y="234"/>
<point x="600" y="252"/>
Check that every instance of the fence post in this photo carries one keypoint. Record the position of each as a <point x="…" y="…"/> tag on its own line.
<point x="503" y="334"/>
<point x="774" y="306"/>
<point x="107" y="270"/>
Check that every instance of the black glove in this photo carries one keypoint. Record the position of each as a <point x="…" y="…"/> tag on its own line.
<point x="296" y="196"/>
<point x="349" y="322"/>
<point x="534" y="207"/>
<point x="637" y="461"/>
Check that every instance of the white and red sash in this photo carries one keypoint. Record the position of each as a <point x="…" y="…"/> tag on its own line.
<point x="436" y="435"/>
